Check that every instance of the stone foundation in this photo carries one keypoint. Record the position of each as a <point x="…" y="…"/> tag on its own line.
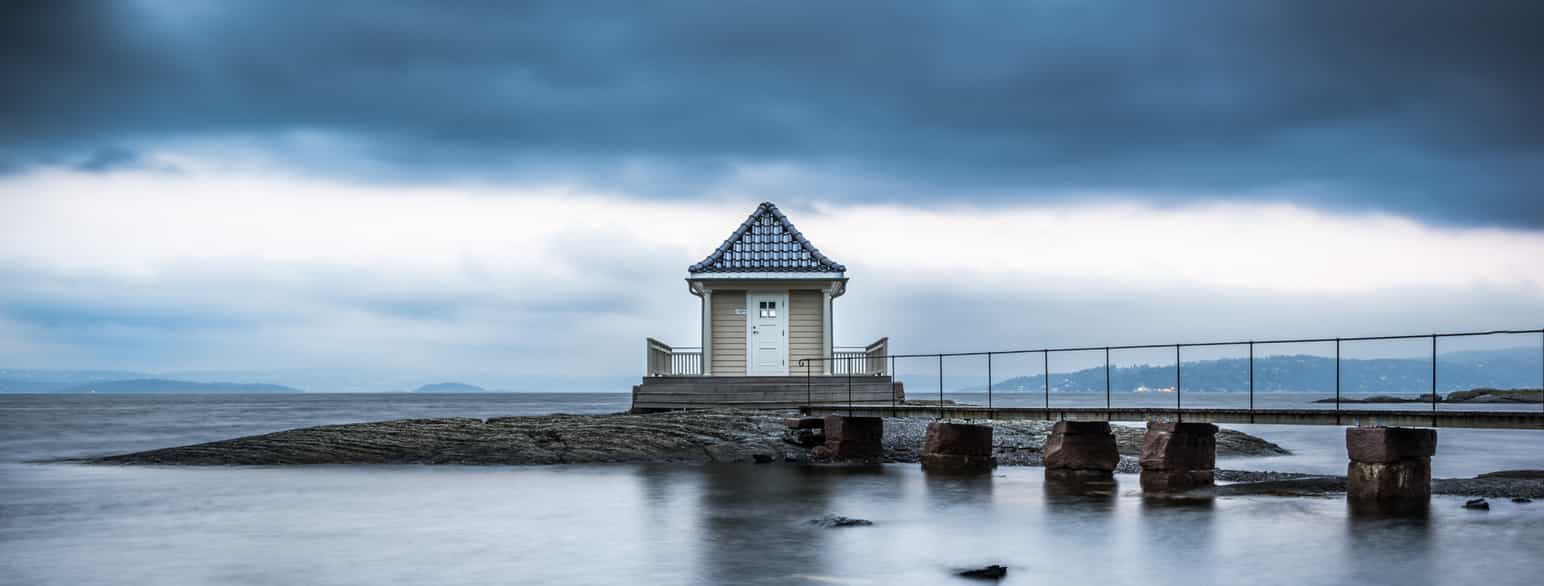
<point x="958" y="448"/>
<point x="1390" y="468"/>
<point x="1178" y="457"/>
<point x="1081" y="450"/>
<point x="854" y="438"/>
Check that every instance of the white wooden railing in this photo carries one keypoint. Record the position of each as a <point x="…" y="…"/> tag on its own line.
<point x="662" y="360"/>
<point x="872" y="359"/>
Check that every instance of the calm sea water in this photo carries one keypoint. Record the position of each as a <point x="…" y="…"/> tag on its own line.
<point x="75" y="524"/>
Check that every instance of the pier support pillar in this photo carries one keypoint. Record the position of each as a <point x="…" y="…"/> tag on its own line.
<point x="958" y="448"/>
<point x="1390" y="468"/>
<point x="854" y="438"/>
<point x="1178" y="457"/>
<point x="1081" y="450"/>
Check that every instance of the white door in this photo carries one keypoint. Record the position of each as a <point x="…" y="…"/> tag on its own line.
<point x="768" y="332"/>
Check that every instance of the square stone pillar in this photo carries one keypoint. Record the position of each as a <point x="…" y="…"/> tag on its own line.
<point x="1390" y="468"/>
<point x="854" y="438"/>
<point x="958" y="448"/>
<point x="1081" y="449"/>
<point x="1178" y="457"/>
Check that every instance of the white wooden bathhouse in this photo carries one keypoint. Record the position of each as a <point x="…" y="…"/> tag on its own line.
<point x="767" y="304"/>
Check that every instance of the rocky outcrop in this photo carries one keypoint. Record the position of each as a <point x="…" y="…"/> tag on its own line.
<point x="686" y="437"/>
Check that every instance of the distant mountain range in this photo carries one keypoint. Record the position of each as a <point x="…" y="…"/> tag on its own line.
<point x="137" y="385"/>
<point x="115" y="381"/>
<point x="451" y="388"/>
<point x="1456" y="371"/>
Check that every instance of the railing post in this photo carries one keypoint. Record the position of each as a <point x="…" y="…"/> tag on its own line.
<point x="940" y="386"/>
<point x="1045" y="365"/>
<point x="892" y="382"/>
<point x="1337" y="381"/>
<point x="809" y="396"/>
<point x="1251" y="382"/>
<point x="849" y="386"/>
<point x="1433" y="380"/>
<point x="1179" y="388"/>
<point x="1107" y="406"/>
<point x="988" y="381"/>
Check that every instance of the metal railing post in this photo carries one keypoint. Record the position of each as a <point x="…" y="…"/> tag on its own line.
<point x="893" y="378"/>
<point x="1251" y="382"/>
<point x="988" y="381"/>
<point x="940" y="386"/>
<point x="849" y="386"/>
<point x="1179" y="389"/>
<point x="1107" y="406"/>
<point x="1337" y="381"/>
<point x="1045" y="366"/>
<point x="809" y="395"/>
<point x="1433" y="380"/>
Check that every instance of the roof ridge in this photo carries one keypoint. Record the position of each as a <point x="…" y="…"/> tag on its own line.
<point x="782" y="248"/>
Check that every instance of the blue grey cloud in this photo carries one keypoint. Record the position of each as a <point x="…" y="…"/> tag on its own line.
<point x="1420" y="108"/>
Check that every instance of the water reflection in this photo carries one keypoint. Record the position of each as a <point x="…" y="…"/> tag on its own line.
<point x="1097" y="492"/>
<point x="754" y="520"/>
<point x="1402" y="540"/>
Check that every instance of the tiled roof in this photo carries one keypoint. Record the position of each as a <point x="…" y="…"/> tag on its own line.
<point x="767" y="243"/>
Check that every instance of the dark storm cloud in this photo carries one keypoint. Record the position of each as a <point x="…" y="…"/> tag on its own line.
<point x="1424" y="108"/>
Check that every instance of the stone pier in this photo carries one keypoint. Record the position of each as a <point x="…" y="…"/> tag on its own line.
<point x="1178" y="457"/>
<point x="854" y="438"/>
<point x="958" y="448"/>
<point x="1080" y="450"/>
<point x="1390" y="468"/>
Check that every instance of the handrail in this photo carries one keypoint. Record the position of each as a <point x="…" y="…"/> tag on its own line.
<point x="660" y="359"/>
<point x="840" y="358"/>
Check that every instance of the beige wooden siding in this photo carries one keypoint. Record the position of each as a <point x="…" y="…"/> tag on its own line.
<point x="728" y="333"/>
<point x="806" y="325"/>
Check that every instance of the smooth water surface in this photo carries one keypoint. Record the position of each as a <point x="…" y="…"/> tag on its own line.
<point x="74" y="524"/>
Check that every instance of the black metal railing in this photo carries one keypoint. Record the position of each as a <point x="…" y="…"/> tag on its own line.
<point x="809" y="365"/>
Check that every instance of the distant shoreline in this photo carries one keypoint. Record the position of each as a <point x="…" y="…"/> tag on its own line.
<point x="1487" y="396"/>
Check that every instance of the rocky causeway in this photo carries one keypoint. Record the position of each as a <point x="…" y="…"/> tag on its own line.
<point x="700" y="437"/>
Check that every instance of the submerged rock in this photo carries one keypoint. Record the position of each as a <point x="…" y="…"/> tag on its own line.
<point x="836" y="521"/>
<point x="992" y="572"/>
<point x="1477" y="504"/>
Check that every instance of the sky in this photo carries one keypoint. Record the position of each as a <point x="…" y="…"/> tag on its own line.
<point x="368" y="196"/>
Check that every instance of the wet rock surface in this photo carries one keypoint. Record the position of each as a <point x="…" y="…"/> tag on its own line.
<point x="992" y="572"/>
<point x="679" y="437"/>
<point x="838" y="521"/>
<point x="1273" y="483"/>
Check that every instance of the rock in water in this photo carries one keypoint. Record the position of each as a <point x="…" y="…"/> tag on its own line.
<point x="1477" y="504"/>
<point x="1521" y="499"/>
<point x="834" y="521"/>
<point x="762" y="458"/>
<point x="992" y="572"/>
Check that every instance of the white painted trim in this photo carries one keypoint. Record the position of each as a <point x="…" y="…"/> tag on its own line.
<point x="825" y="342"/>
<point x="764" y="275"/>
<point x="707" y="332"/>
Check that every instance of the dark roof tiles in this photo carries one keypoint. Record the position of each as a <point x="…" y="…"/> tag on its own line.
<point x="766" y="243"/>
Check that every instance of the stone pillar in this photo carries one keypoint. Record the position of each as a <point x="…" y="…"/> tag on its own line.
<point x="1081" y="450"/>
<point x="854" y="438"/>
<point x="958" y="448"/>
<point x="1178" y="457"/>
<point x="1390" y="468"/>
